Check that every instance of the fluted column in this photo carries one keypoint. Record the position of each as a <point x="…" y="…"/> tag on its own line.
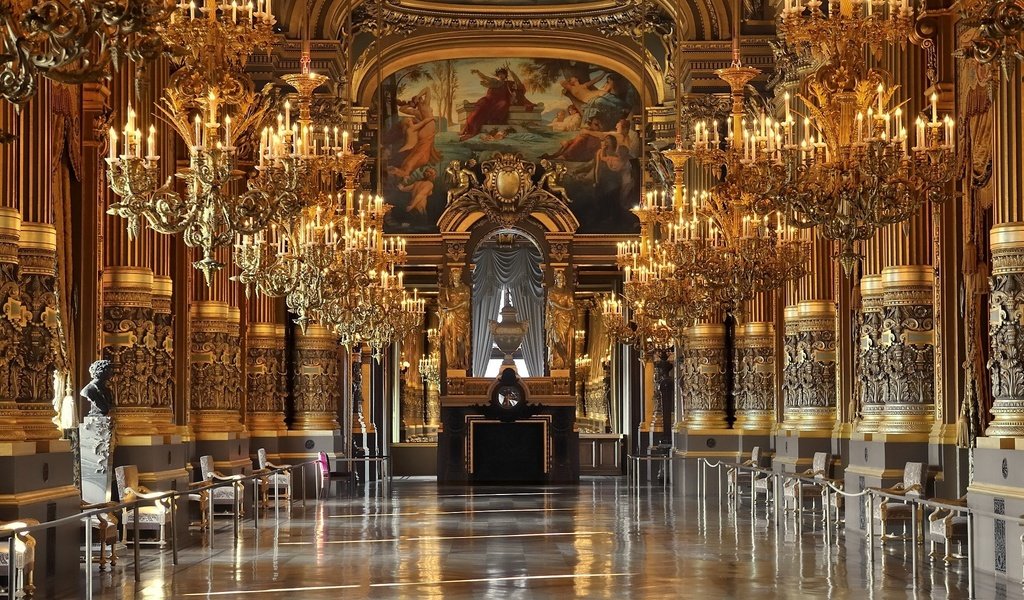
<point x="317" y="384"/>
<point x="703" y="376"/>
<point x="755" y="367"/>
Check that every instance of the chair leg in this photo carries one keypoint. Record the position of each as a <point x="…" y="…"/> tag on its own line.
<point x="103" y="547"/>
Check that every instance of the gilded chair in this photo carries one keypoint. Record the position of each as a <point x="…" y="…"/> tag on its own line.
<point x="797" y="492"/>
<point x="152" y="517"/>
<point x="105" y="525"/>
<point x="888" y="511"/>
<point x="949" y="527"/>
<point x="271" y="480"/>
<point x="225" y="495"/>
<point x="24" y="558"/>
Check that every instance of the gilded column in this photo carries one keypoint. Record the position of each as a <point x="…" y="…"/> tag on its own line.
<point x="873" y="378"/>
<point x="703" y="376"/>
<point x="317" y="385"/>
<point x="810" y="371"/>
<point x="1006" y="239"/>
<point x="14" y="319"/>
<point x="162" y="383"/>
<point x="265" y="373"/>
<point x="213" y="357"/>
<point x="754" y="367"/>
<point x="908" y="345"/>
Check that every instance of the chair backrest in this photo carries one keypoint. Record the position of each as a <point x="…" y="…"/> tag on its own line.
<point x="913" y="474"/>
<point x="820" y="464"/>
<point x="755" y="456"/>
<point x="261" y="454"/>
<point x="321" y="461"/>
<point x="206" y="466"/>
<point x="127" y="476"/>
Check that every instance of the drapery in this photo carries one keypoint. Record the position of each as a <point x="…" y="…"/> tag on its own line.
<point x="517" y="269"/>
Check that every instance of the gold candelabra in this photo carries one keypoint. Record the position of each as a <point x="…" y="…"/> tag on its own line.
<point x="213" y="109"/>
<point x="1000" y="27"/>
<point x="74" y="41"/>
<point x="849" y="168"/>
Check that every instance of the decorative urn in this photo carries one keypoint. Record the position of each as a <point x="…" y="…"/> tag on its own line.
<point x="509" y="331"/>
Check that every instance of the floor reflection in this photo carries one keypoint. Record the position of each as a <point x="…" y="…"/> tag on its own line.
<point x="599" y="540"/>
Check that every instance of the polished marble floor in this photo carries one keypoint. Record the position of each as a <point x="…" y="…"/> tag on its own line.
<point x="598" y="540"/>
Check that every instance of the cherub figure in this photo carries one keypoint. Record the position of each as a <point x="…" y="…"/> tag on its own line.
<point x="552" y="178"/>
<point x="461" y="177"/>
<point x="420" y="190"/>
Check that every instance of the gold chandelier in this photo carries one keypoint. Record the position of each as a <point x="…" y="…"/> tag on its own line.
<point x="214" y="110"/>
<point x="1000" y="27"/>
<point x="731" y="239"/>
<point x="849" y="168"/>
<point x="74" y="41"/>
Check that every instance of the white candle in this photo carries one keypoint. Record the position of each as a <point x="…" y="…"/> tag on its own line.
<point x="344" y="142"/>
<point x="198" y="122"/>
<point x="287" y="114"/>
<point x="234" y="11"/>
<point x="113" y="144"/>
<point x="151" y="146"/>
<point x="935" y="108"/>
<point x="227" y="131"/>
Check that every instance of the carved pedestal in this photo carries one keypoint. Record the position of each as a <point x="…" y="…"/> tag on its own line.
<point x="96" y="438"/>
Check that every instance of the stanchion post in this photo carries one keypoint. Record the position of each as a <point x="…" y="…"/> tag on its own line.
<point x="256" y="503"/>
<point x="88" y="562"/>
<point x="913" y="539"/>
<point x="174" y="529"/>
<point x="970" y="554"/>
<point x="237" y="508"/>
<point x="302" y="474"/>
<point x="135" y="539"/>
<point x="209" y="516"/>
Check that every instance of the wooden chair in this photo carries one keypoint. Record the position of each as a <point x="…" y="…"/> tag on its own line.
<point x="152" y="517"/>
<point x="948" y="526"/>
<point x="272" y="480"/>
<point x="221" y="496"/>
<point x="797" y="492"/>
<point x="106" y="533"/>
<point x="24" y="558"/>
<point x="888" y="511"/>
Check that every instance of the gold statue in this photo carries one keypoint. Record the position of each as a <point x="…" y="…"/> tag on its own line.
<point x="559" y="320"/>
<point x="455" y="319"/>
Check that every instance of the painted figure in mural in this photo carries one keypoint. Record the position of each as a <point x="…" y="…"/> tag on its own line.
<point x="454" y="304"/>
<point x="569" y="119"/>
<point x="461" y="178"/>
<point x="504" y="91"/>
<point x="607" y="103"/>
<point x="420" y="191"/>
<point x="561" y="315"/>
<point x="420" y="128"/>
<point x="552" y="178"/>
<point x="96" y="391"/>
<point x="583" y="147"/>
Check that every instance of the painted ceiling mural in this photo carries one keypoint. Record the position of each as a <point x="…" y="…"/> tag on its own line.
<point x="544" y="109"/>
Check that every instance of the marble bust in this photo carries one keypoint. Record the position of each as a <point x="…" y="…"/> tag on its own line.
<point x="96" y="391"/>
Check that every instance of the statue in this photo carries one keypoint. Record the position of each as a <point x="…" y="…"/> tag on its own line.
<point x="455" y="319"/>
<point x="559" y="321"/>
<point x="552" y="178"/>
<point x="96" y="391"/>
<point x="462" y="178"/>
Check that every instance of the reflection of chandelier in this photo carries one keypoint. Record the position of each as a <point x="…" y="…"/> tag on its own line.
<point x="853" y="170"/>
<point x="214" y="110"/>
<point x="730" y="238"/>
<point x="430" y="365"/>
<point x="648" y="334"/>
<point x="73" y="41"/>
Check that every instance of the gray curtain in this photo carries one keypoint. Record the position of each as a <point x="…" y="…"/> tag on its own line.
<point x="517" y="269"/>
